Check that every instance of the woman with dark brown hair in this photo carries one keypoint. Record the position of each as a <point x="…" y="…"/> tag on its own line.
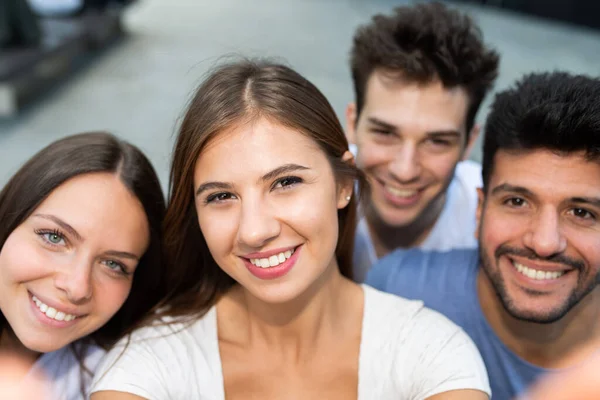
<point x="80" y="256"/>
<point x="259" y="234"/>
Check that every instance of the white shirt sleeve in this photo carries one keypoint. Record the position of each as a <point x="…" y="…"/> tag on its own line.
<point x="133" y="367"/>
<point x="447" y="358"/>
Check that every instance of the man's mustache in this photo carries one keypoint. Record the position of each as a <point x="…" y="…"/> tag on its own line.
<point x="530" y="254"/>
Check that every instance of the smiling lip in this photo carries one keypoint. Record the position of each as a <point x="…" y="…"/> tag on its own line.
<point x="400" y="201"/>
<point x="44" y="319"/>
<point x="546" y="268"/>
<point x="267" y="254"/>
<point x="272" y="272"/>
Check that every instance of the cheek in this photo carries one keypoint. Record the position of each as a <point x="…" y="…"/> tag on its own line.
<point x="585" y="246"/>
<point x="313" y="215"/>
<point x="499" y="228"/>
<point x="219" y="230"/>
<point x="371" y="154"/>
<point x="110" y="294"/>
<point x="17" y="268"/>
<point x="440" y="166"/>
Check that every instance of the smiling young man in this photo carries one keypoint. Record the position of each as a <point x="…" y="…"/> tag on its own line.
<point x="420" y="75"/>
<point x="529" y="297"/>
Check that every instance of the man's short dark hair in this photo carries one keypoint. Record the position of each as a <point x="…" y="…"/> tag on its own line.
<point x="555" y="111"/>
<point x="424" y="43"/>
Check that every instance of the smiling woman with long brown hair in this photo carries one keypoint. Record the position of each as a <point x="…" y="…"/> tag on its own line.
<point x="259" y="234"/>
<point x="81" y="256"/>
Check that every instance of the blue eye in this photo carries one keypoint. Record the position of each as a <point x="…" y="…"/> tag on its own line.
<point x="52" y="237"/>
<point x="116" y="267"/>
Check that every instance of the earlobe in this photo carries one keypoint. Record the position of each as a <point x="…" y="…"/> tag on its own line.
<point x="351" y="123"/>
<point x="348" y="157"/>
<point x="344" y="198"/>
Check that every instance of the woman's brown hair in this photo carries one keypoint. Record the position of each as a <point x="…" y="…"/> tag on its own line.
<point x="233" y="94"/>
<point x="86" y="153"/>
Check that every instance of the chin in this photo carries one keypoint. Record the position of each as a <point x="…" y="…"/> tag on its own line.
<point x="46" y="345"/>
<point x="280" y="293"/>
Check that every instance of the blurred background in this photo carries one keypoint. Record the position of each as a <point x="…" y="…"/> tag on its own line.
<point x="130" y="67"/>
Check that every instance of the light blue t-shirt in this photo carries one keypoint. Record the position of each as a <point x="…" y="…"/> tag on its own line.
<point x="447" y="283"/>
<point x="454" y="228"/>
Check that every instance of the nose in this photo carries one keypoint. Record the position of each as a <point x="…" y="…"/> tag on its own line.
<point x="544" y="235"/>
<point x="257" y="224"/>
<point x="75" y="281"/>
<point x="406" y="166"/>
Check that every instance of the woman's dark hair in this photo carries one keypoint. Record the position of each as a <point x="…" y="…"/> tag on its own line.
<point x="87" y="153"/>
<point x="555" y="111"/>
<point x="235" y="94"/>
<point x="423" y="43"/>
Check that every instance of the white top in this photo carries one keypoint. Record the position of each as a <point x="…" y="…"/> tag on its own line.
<point x="407" y="352"/>
<point x="65" y="374"/>
<point x="454" y="228"/>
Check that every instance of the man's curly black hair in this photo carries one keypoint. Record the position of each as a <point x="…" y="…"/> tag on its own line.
<point x="554" y="111"/>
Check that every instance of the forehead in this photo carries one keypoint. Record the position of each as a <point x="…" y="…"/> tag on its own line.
<point x="547" y="173"/>
<point x="410" y="105"/>
<point x="96" y="202"/>
<point x="257" y="147"/>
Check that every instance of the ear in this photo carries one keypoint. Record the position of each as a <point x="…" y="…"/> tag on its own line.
<point x="351" y="122"/>
<point x="345" y="188"/>
<point x="479" y="212"/>
<point x="473" y="136"/>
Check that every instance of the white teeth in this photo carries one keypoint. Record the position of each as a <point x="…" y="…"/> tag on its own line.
<point x="52" y="312"/>
<point x="272" y="261"/>
<point x="537" y="274"/>
<point x="400" y="192"/>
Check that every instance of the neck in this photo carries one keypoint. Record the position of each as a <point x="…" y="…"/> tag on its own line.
<point x="295" y="328"/>
<point x="386" y="238"/>
<point x="559" y="344"/>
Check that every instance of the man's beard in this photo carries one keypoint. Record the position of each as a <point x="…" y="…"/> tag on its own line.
<point x="515" y="310"/>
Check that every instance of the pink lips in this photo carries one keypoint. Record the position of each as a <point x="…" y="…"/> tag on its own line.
<point x="273" y="272"/>
<point x="44" y="319"/>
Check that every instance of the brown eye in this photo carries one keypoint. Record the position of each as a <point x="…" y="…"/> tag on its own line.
<point x="515" y="202"/>
<point x="582" y="213"/>
<point x="287" y="182"/>
<point x="219" y="197"/>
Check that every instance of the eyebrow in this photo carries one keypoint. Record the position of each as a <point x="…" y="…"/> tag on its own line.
<point x="594" y="201"/>
<point x="62" y="224"/>
<point x="284" y="169"/>
<point x="122" y="254"/>
<point x="437" y="133"/>
<point x="506" y="187"/>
